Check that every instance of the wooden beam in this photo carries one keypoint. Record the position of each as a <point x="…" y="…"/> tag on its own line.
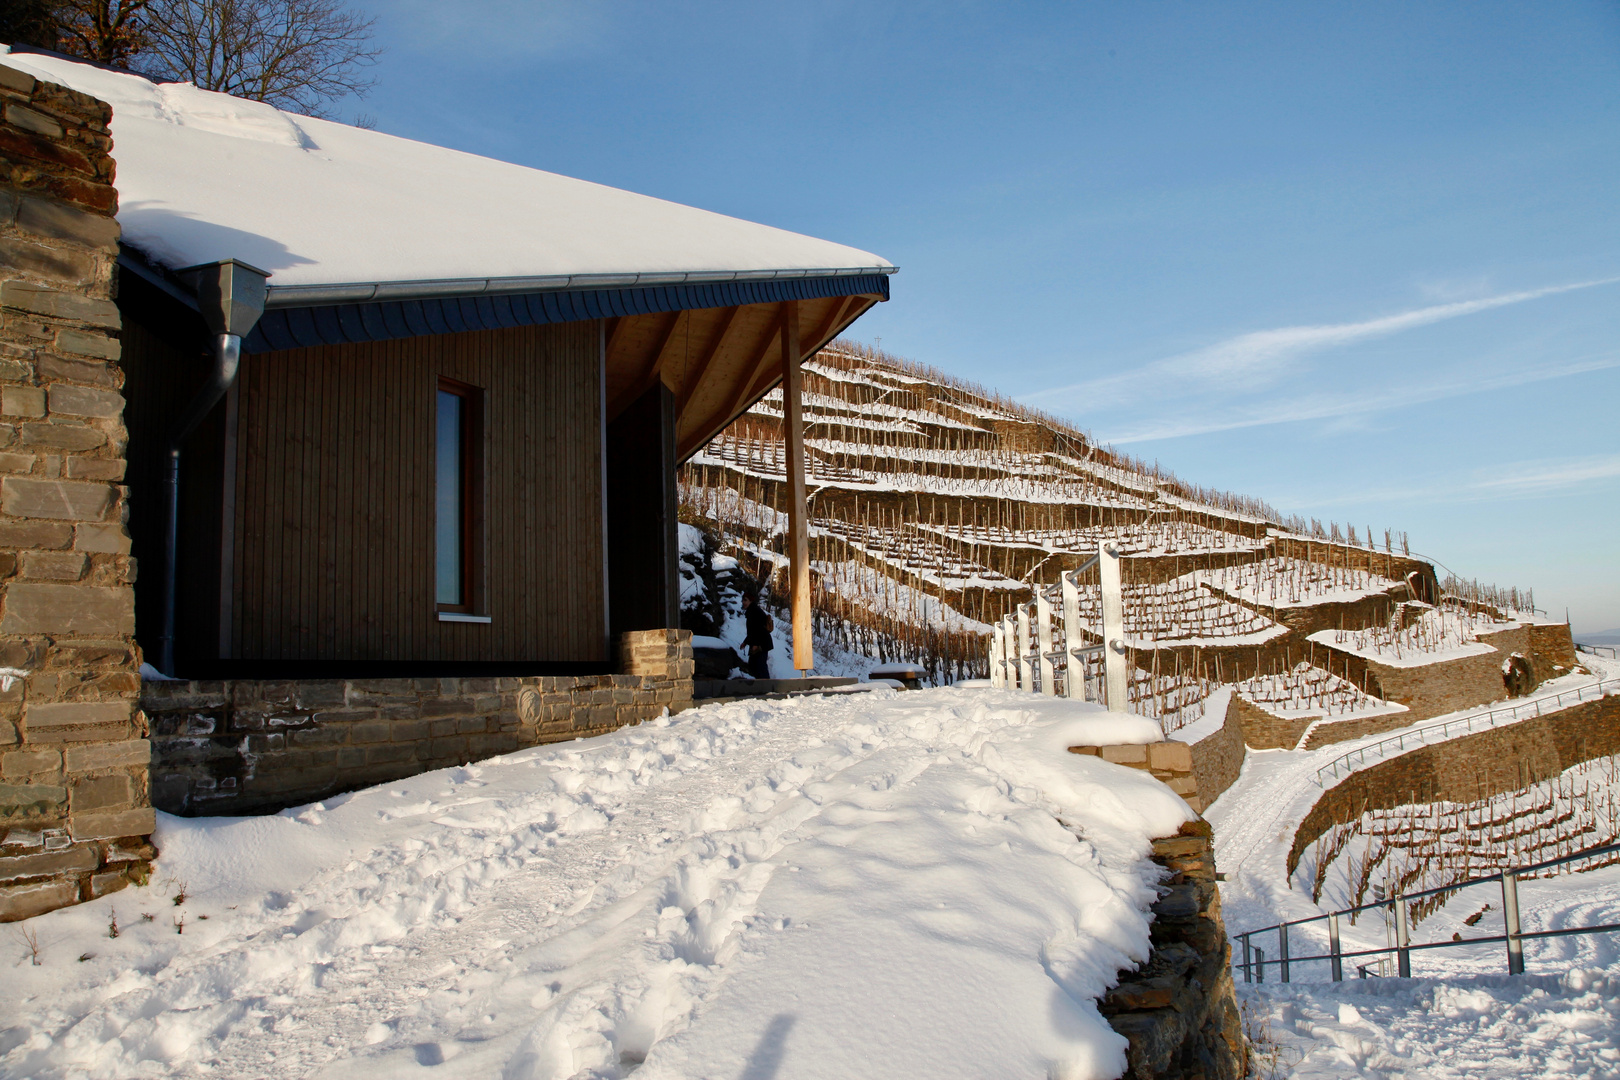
<point x="663" y="346"/>
<point x="638" y="386"/>
<point x="758" y="366"/>
<point x="728" y="319"/>
<point x="614" y="326"/>
<point x="798" y="510"/>
<point x="830" y="326"/>
<point x="767" y="372"/>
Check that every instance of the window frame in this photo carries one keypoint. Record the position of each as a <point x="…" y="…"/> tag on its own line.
<point x="472" y="500"/>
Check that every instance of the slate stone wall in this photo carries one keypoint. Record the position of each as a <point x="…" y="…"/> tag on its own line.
<point x="1179" y="1010"/>
<point x="75" y="819"/>
<point x="1469" y="767"/>
<point x="252" y="746"/>
<point x="1218" y="759"/>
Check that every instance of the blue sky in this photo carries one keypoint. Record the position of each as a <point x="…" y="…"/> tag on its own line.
<point x="1360" y="260"/>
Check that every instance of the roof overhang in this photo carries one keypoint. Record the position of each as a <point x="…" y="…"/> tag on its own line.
<point x="714" y="338"/>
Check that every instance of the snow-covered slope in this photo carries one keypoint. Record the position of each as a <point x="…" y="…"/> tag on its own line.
<point x="1462" y="1017"/>
<point x="871" y="885"/>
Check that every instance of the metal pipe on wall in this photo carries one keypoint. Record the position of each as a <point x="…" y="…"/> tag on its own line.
<point x="230" y="298"/>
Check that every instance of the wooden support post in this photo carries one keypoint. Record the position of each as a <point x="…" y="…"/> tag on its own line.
<point x="798" y="512"/>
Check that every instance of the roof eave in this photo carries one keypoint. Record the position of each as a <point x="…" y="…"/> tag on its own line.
<point x="288" y="296"/>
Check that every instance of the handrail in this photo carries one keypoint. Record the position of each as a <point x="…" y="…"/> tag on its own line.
<point x="1419" y="736"/>
<point x="1254" y="962"/>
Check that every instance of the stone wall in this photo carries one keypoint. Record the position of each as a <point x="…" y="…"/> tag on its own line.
<point x="252" y="746"/>
<point x="1469" y="767"/>
<point x="1179" y="1010"/>
<point x="1170" y="762"/>
<point x="74" y="813"/>
<point x="1218" y="759"/>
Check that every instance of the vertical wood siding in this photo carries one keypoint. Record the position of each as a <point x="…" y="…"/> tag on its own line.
<point x="334" y="526"/>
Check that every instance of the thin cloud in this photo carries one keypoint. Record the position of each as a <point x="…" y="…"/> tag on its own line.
<point x="1525" y="479"/>
<point x="1264" y="353"/>
<point x="1322" y="406"/>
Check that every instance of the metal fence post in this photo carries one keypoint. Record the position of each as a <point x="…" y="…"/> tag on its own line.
<point x="1259" y="964"/>
<point x="1403" y="955"/>
<point x="1510" y="922"/>
<point x="1248" y="972"/>
<point x="1043" y="641"/>
<point x="1282" y="950"/>
<point x="1334" y="959"/>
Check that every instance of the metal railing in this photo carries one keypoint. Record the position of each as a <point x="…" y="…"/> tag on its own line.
<point x="1474" y="722"/>
<point x="1598" y="650"/>
<point x="1254" y="962"/>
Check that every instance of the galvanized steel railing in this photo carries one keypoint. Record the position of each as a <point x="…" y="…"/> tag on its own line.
<point x="1254" y="962"/>
<point x="1476" y="722"/>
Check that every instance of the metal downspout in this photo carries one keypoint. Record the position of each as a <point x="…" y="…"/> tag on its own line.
<point x="227" y="360"/>
<point x="230" y="297"/>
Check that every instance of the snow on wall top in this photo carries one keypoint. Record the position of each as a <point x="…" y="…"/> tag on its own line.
<point x="204" y="176"/>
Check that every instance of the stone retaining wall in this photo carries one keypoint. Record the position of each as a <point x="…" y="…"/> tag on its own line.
<point x="1170" y="762"/>
<point x="1430" y="690"/>
<point x="74" y="813"/>
<point x="1469" y="767"/>
<point x="250" y="746"/>
<point x="1179" y="1010"/>
<point x="1218" y="759"/>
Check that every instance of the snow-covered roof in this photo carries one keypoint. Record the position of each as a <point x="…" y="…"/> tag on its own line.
<point x="204" y="177"/>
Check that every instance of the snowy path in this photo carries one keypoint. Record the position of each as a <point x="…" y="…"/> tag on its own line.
<point x="1461" y="1016"/>
<point x="811" y="886"/>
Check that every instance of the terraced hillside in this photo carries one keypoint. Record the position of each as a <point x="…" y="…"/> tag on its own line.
<point x="938" y="507"/>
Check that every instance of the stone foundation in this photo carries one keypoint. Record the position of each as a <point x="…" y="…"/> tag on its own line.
<point x="1179" y="1010"/>
<point x="74" y="813"/>
<point x="252" y="746"/>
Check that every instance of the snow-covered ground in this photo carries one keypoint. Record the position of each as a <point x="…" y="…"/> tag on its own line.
<point x="1461" y="1015"/>
<point x="883" y="884"/>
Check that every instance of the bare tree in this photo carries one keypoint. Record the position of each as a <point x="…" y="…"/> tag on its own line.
<point x="298" y="55"/>
<point x="106" y="31"/>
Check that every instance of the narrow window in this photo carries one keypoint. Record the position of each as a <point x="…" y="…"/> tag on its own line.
<point x="456" y="483"/>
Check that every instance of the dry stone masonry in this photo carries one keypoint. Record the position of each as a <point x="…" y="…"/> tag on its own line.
<point x="1469" y="767"/>
<point x="75" y="818"/>
<point x="1179" y="1010"/>
<point x="1170" y="762"/>
<point x="249" y="746"/>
